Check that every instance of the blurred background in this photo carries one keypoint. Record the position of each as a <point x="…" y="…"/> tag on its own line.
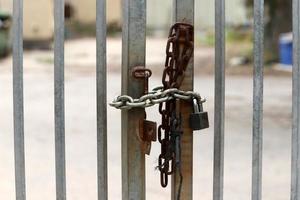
<point x="80" y="62"/>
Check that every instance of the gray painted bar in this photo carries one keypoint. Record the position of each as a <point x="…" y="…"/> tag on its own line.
<point x="18" y="100"/>
<point x="101" y="100"/>
<point x="219" y="99"/>
<point x="59" y="100"/>
<point x="295" y="179"/>
<point x="258" y="99"/>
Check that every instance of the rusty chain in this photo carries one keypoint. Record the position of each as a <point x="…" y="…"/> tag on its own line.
<point x="179" y="50"/>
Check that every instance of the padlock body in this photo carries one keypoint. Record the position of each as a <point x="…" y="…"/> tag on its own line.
<point x="199" y="121"/>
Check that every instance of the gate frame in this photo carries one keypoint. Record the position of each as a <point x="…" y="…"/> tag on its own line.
<point x="134" y="37"/>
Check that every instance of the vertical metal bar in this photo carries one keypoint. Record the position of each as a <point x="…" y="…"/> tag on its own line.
<point x="101" y="100"/>
<point x="133" y="54"/>
<point x="59" y="100"/>
<point x="295" y="179"/>
<point x="184" y="12"/>
<point x="219" y="99"/>
<point x="258" y="100"/>
<point x="18" y="99"/>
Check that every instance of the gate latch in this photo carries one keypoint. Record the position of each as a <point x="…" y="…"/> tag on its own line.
<point x="147" y="129"/>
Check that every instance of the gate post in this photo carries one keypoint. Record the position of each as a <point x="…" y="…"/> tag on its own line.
<point x="184" y="12"/>
<point x="133" y="54"/>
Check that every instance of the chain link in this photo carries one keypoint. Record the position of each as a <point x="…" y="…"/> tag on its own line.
<point x="157" y="96"/>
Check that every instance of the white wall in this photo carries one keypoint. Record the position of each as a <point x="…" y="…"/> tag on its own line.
<point x="85" y="10"/>
<point x="6" y="6"/>
<point x="160" y="13"/>
<point x="38" y="18"/>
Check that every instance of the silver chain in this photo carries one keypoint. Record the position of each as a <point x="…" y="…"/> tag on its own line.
<point x="156" y="96"/>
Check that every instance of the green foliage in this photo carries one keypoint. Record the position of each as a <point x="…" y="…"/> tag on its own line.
<point x="238" y="35"/>
<point x="5" y="45"/>
<point x="206" y="39"/>
<point x="233" y="35"/>
<point x="77" y="29"/>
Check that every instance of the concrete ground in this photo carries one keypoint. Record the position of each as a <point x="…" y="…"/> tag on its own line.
<point x="81" y="128"/>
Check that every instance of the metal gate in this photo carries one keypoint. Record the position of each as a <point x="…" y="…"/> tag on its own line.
<point x="133" y="161"/>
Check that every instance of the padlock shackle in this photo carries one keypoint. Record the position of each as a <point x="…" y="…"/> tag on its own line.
<point x="196" y="105"/>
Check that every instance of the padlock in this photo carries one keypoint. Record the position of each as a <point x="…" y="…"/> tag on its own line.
<point x="198" y="119"/>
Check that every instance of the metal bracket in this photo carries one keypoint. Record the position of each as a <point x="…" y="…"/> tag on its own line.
<point x="147" y="131"/>
<point x="140" y="72"/>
